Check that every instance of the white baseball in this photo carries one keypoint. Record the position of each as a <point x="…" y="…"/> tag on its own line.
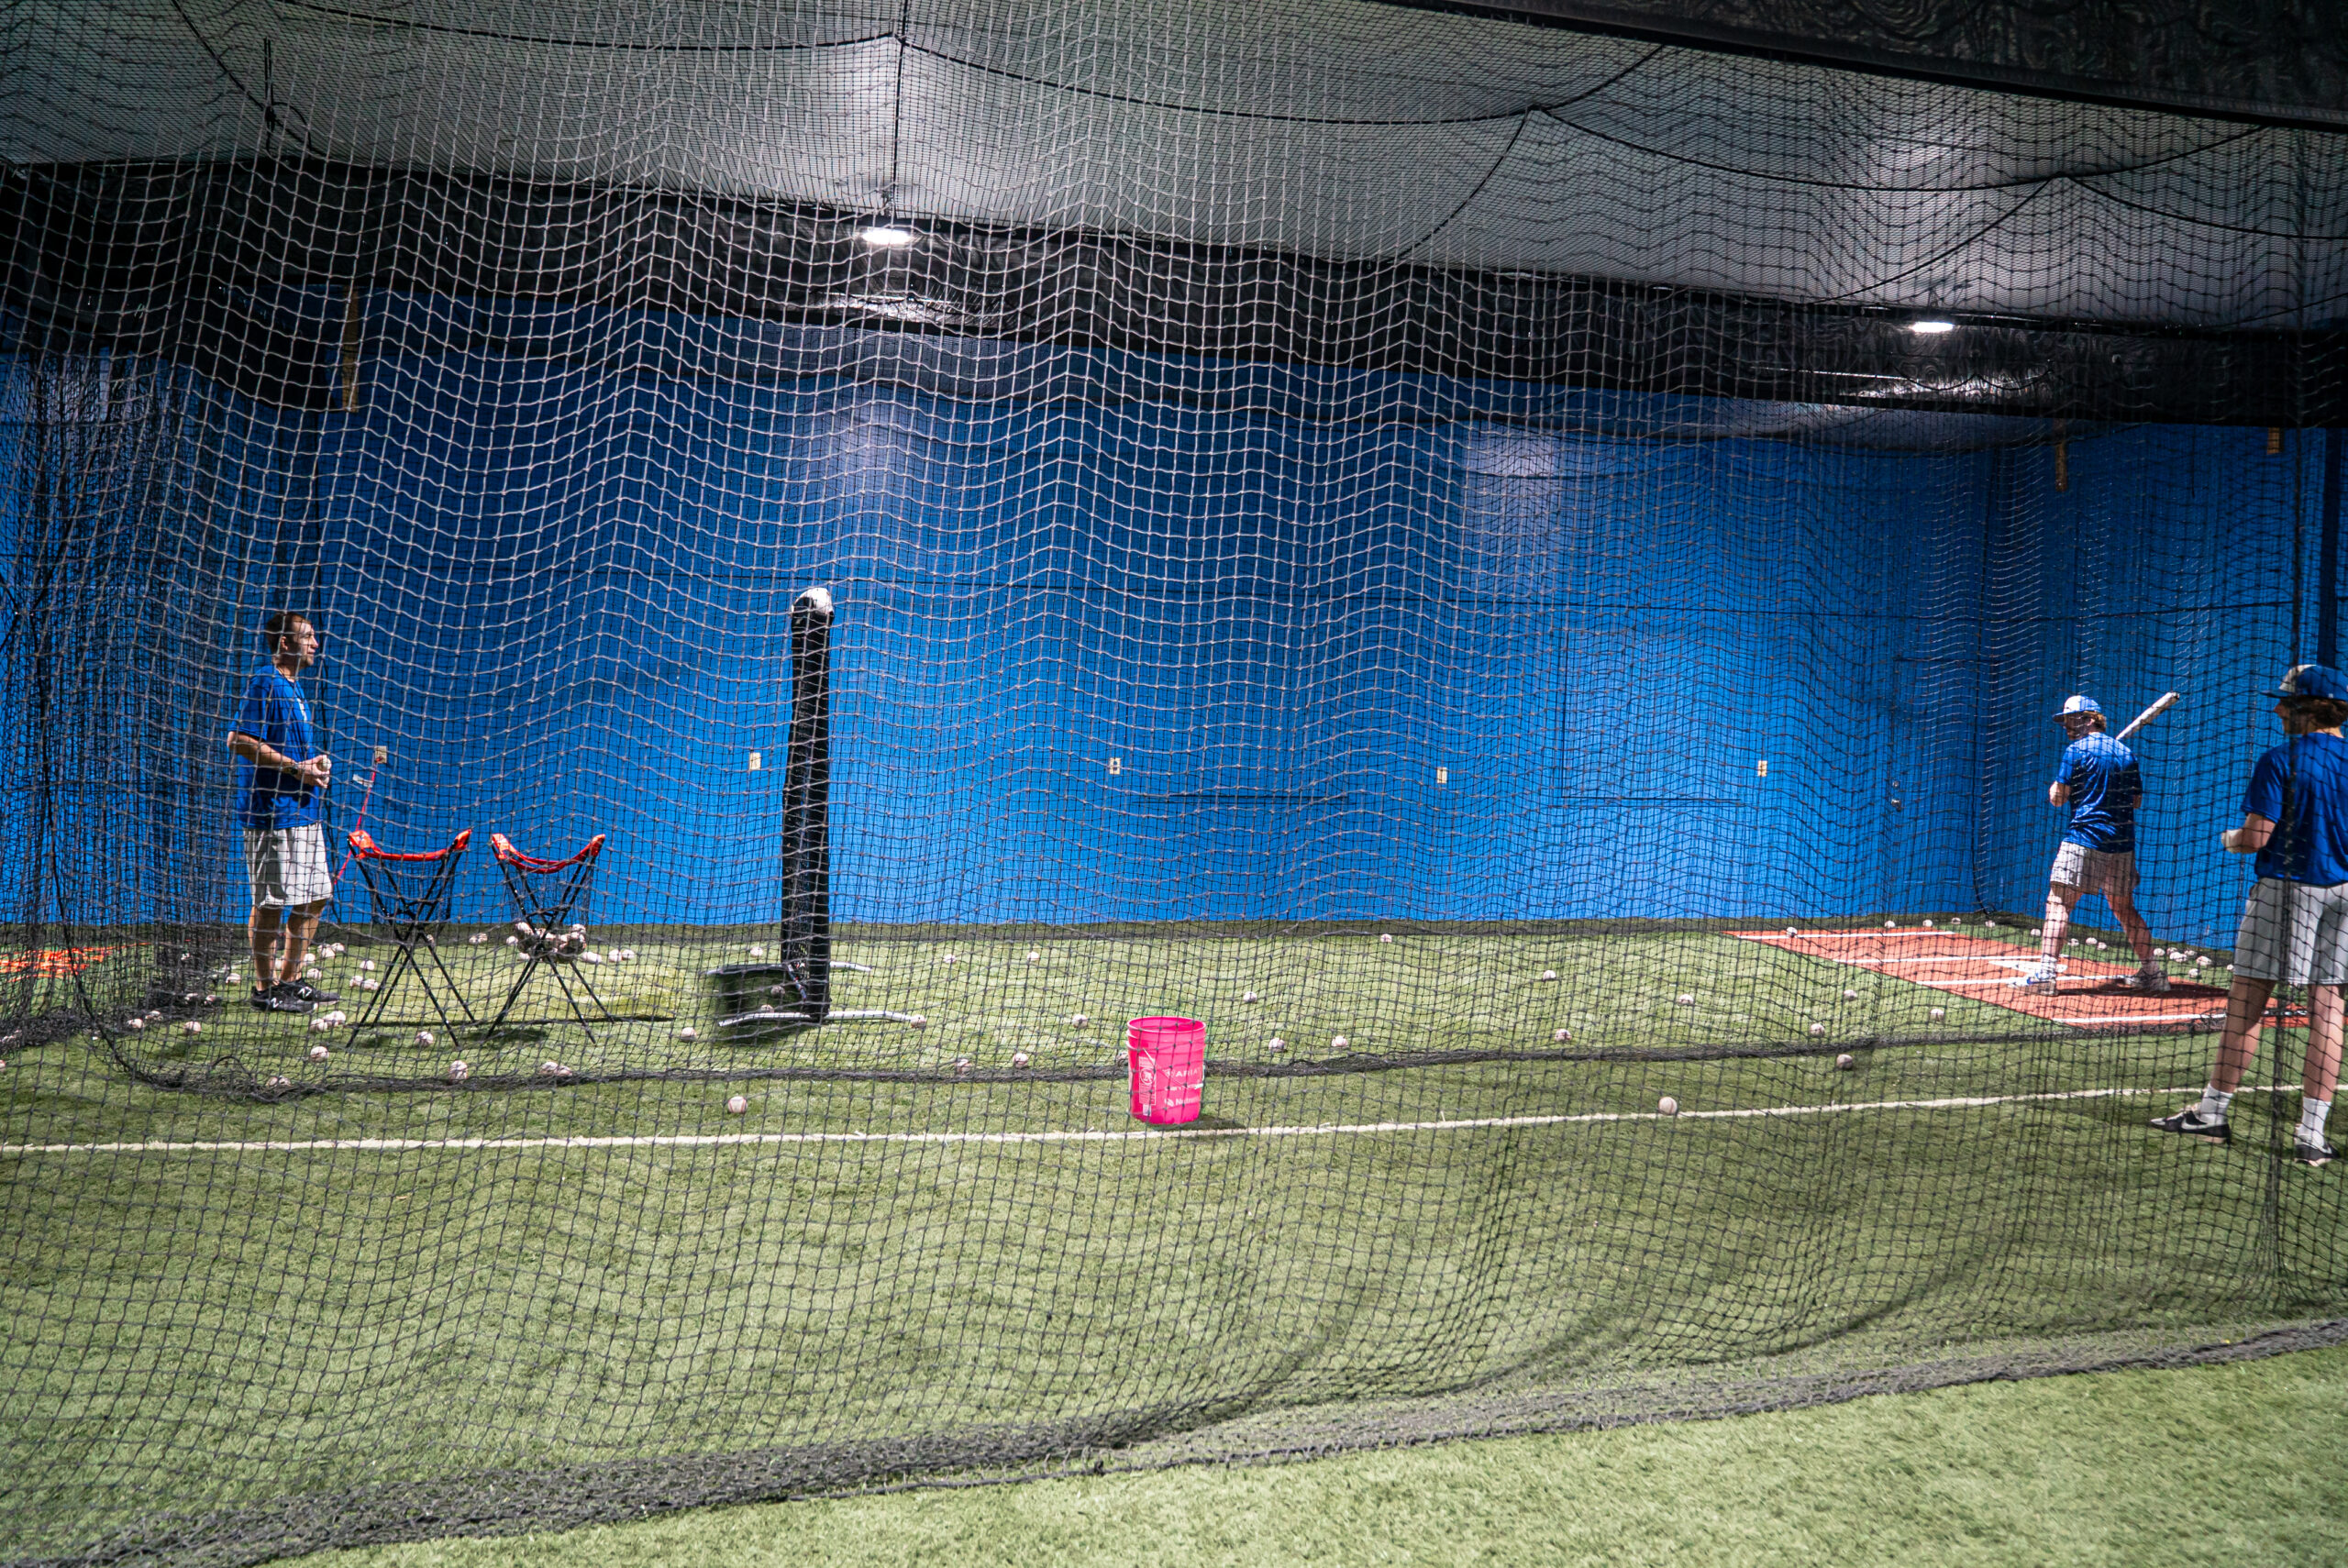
<point x="191" y="1027"/>
<point x="919" y="1021"/>
<point x="366" y="963"/>
<point x="137" y="1024"/>
<point x="1383" y="936"/>
<point x="1686" y="1000"/>
<point x="424" y="1038"/>
<point x="1548" y="974"/>
<point x="1817" y="1030"/>
<point x="277" y="1083"/>
<point x="737" y="1106"/>
<point x="1846" y="1061"/>
<point x="1277" y="1044"/>
<point x="1668" y="1106"/>
<point x="318" y="1053"/>
<point x="758" y="952"/>
<point x="1561" y="1035"/>
<point x="314" y="975"/>
<point x="1791" y="932"/>
<point x="1247" y="996"/>
<point x="459" y="1072"/>
<point x="1338" y="1043"/>
<point x="1850" y="996"/>
<point x="1892" y="926"/>
<point x="1927" y="925"/>
<point x="1076" y="1018"/>
<point x="1938" y="1014"/>
<point x="689" y="1032"/>
<point x="549" y="1068"/>
<point x="961" y="1065"/>
<point x="1019" y="1058"/>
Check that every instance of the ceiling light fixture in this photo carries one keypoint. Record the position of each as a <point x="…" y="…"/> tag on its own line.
<point x="886" y="237"/>
<point x="1931" y="325"/>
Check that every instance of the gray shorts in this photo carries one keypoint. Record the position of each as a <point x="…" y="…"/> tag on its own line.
<point x="287" y="867"/>
<point x="2294" y="933"/>
<point x="2111" y="872"/>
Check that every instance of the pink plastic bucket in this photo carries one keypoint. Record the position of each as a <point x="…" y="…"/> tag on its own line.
<point x="1167" y="1058"/>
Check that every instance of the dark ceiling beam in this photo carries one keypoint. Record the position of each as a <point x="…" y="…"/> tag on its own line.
<point x="2268" y="62"/>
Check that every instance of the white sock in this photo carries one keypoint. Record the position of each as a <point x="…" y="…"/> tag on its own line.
<point x="2213" y="1104"/>
<point x="2311" y="1116"/>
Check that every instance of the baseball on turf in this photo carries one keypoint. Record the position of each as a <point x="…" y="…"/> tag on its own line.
<point x="757" y="952"/>
<point x="1548" y="974"/>
<point x="1247" y="996"/>
<point x="1816" y="1030"/>
<point x="318" y="1053"/>
<point x="191" y="1027"/>
<point x="1845" y="1061"/>
<point x="737" y="1106"/>
<point x="689" y="1032"/>
<point x="277" y="1083"/>
<point x="1686" y="1000"/>
<point x="137" y="1024"/>
<point x="1338" y="1043"/>
<point x="1034" y="956"/>
<point x="459" y="1072"/>
<point x="1927" y="925"/>
<point x="1019" y="1058"/>
<point x="1277" y="1044"/>
<point x="1668" y="1106"/>
<point x="1938" y="1014"/>
<point x="1076" y="1018"/>
<point x="1850" y="996"/>
<point x="1561" y="1035"/>
<point x="424" y="1037"/>
<point x="1382" y="936"/>
<point x="1892" y="926"/>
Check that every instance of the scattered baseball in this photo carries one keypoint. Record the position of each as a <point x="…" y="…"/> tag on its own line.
<point x="1927" y="925"/>
<point x="1034" y="956"/>
<point x="1019" y="1058"/>
<point x="277" y="1083"/>
<point x="512" y="941"/>
<point x="1076" y="1018"/>
<point x="478" y="939"/>
<point x="554" y="1069"/>
<point x="314" y="975"/>
<point x="1548" y="974"/>
<point x="2035" y="931"/>
<point x="757" y="952"/>
<point x="191" y="1027"/>
<point x="949" y="958"/>
<point x="1339" y="1043"/>
<point x="366" y="963"/>
<point x="1791" y="932"/>
<point x="231" y="977"/>
<point x="1686" y="1000"/>
<point x="211" y="1000"/>
<point x="1277" y="1044"/>
<point x="918" y="1021"/>
<point x="1383" y="936"/>
<point x="1892" y="926"/>
<point x="424" y="1038"/>
<point x="370" y="985"/>
<point x="318" y="1053"/>
<point x="1989" y="924"/>
<point x="319" y="1026"/>
<point x="1816" y="1030"/>
<point x="459" y="1072"/>
<point x="2204" y="962"/>
<point x="137" y="1024"/>
<point x="1850" y="996"/>
<point x="1248" y="995"/>
<point x="737" y="1106"/>
<point x="1668" y="1106"/>
<point x="590" y="956"/>
<point x="1938" y="1014"/>
<point x="1561" y="1035"/>
<point x="961" y="1066"/>
<point x="1846" y="1061"/>
<point x="689" y="1032"/>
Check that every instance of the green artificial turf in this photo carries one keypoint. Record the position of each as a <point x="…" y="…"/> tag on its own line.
<point x="292" y="1311"/>
<point x="2235" y="1466"/>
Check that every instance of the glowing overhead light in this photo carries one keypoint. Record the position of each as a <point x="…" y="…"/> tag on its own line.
<point x="886" y="237"/>
<point x="1931" y="325"/>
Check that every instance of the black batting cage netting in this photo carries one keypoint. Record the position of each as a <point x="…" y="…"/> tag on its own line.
<point x="1522" y="578"/>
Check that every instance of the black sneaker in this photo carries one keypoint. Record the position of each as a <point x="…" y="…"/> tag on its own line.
<point x="2316" y="1154"/>
<point x="2193" y="1124"/>
<point x="310" y="993"/>
<point x="279" y="998"/>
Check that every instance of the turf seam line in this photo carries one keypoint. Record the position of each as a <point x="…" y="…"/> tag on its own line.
<point x="1096" y="1135"/>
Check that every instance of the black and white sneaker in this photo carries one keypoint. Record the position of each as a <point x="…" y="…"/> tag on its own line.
<point x="310" y="993"/>
<point x="2318" y="1152"/>
<point x="279" y="998"/>
<point x="2193" y="1124"/>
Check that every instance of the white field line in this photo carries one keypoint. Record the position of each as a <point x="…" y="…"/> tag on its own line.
<point x="1118" y="1135"/>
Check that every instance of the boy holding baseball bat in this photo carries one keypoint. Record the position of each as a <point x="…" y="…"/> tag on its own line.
<point x="2099" y="780"/>
<point x="2294" y="922"/>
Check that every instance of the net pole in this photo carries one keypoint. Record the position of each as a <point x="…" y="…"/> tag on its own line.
<point x="806" y="940"/>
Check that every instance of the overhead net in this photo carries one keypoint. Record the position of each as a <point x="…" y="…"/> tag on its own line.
<point x="1520" y="577"/>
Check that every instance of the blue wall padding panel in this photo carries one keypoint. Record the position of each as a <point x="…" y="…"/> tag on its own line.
<point x="553" y="553"/>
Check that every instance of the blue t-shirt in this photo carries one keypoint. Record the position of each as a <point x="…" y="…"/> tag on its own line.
<point x="2302" y="786"/>
<point x="273" y="710"/>
<point x="2105" y="787"/>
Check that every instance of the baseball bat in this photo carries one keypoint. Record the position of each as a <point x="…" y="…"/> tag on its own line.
<point x="2148" y="715"/>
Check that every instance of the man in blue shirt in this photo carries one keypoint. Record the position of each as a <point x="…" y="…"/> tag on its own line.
<point x="2295" y="923"/>
<point x="281" y="777"/>
<point x="2098" y="778"/>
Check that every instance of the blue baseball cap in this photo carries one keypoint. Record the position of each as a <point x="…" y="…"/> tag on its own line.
<point x="2079" y="706"/>
<point x="2312" y="680"/>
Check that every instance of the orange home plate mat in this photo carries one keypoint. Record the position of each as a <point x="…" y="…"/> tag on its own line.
<point x="1984" y="971"/>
